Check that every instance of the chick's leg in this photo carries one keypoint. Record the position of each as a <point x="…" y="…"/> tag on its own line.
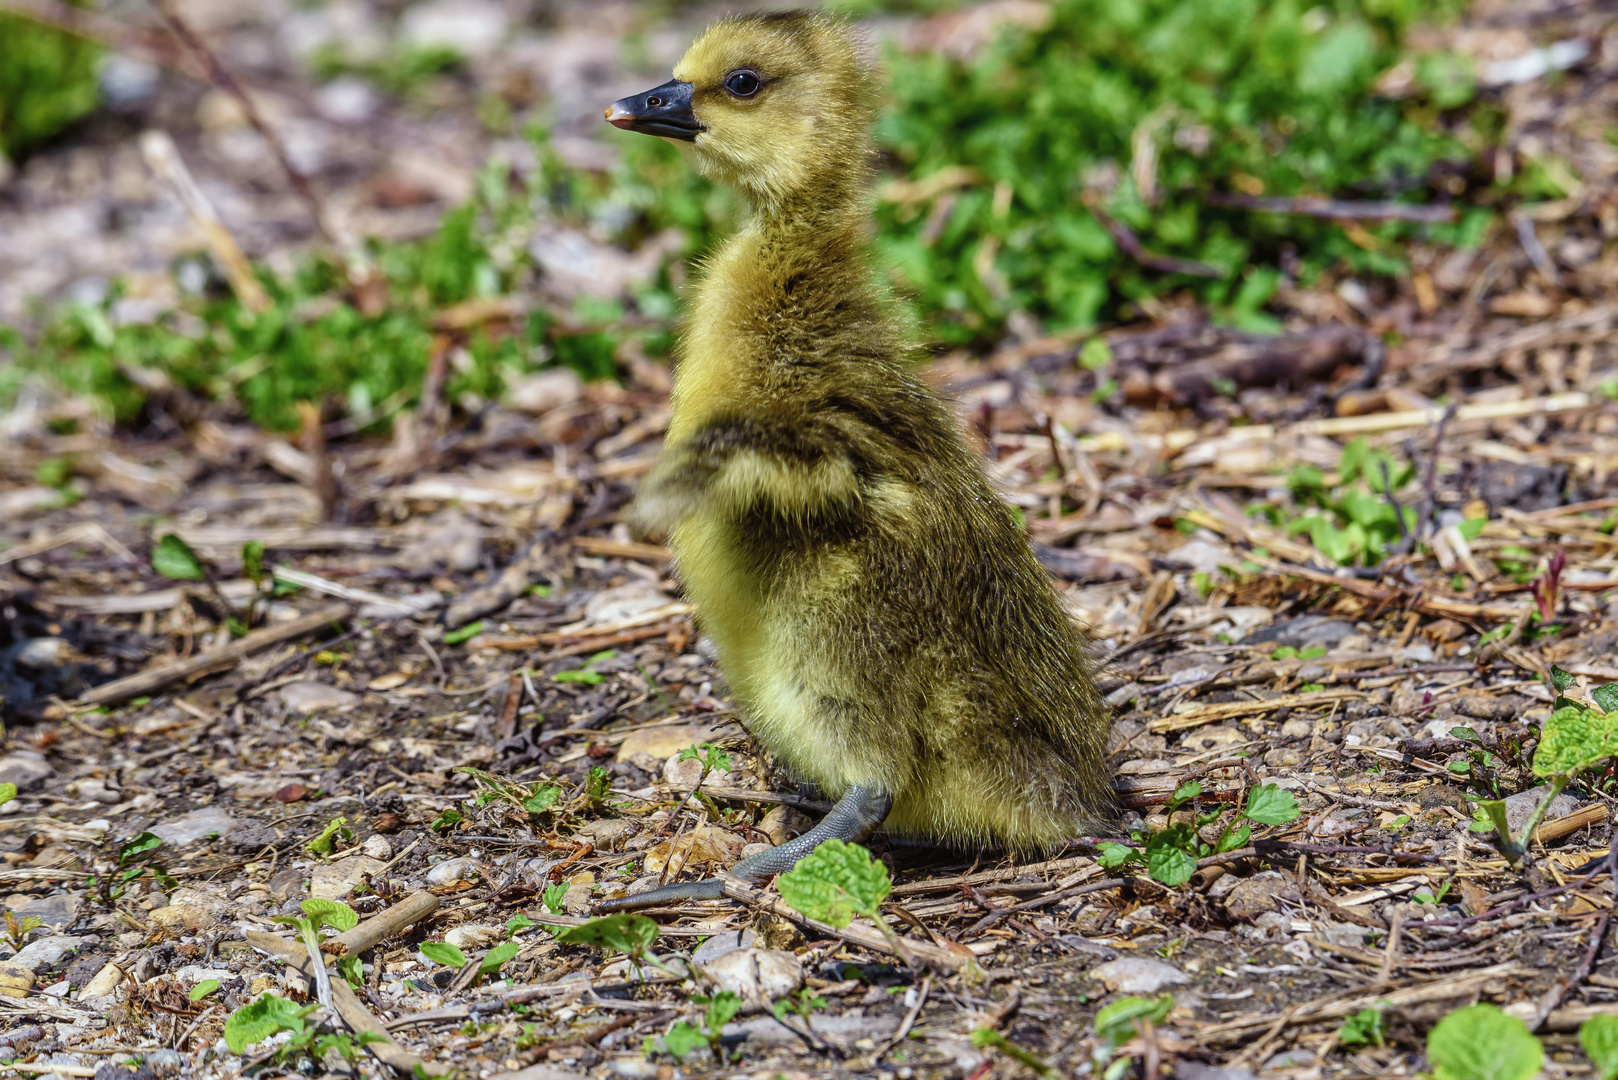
<point x="855" y="817"/>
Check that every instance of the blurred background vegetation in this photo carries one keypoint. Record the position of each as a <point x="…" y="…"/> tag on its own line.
<point x="1015" y="180"/>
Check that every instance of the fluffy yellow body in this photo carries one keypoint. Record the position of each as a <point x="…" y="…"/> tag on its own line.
<point x="876" y="608"/>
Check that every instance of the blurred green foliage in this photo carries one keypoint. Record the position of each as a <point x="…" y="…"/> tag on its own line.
<point x="1002" y="164"/>
<point x="1228" y="96"/>
<point x="47" y="81"/>
<point x="315" y="343"/>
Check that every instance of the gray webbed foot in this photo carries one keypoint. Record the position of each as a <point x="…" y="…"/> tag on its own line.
<point x="855" y="817"/>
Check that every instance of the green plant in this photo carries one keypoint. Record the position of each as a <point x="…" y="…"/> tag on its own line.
<point x="352" y="970"/>
<point x="535" y="798"/>
<point x="1020" y="164"/>
<point x="837" y="881"/>
<point x="272" y="1014"/>
<point x="8" y="792"/>
<point x="1576" y="737"/>
<point x="803" y="1004"/>
<point x="1432" y="899"/>
<point x="319" y="912"/>
<point x="1170" y="854"/>
<point x="134" y="859"/>
<point x="202" y="989"/>
<point x="446" y="820"/>
<point x="631" y="935"/>
<point x="1599" y="1038"/>
<point x="553" y="897"/>
<point x="586" y="674"/>
<point x="336" y="834"/>
<point x="987" y="1036"/>
<point x="597" y="785"/>
<point x="1480" y="1042"/>
<point x="521" y="921"/>
<point x="1121" y="1021"/>
<point x="47" y="81"/>
<point x="461" y="635"/>
<point x="17" y="929"/>
<point x="497" y="957"/>
<point x="718" y="1011"/>
<point x="1368" y="1027"/>
<point x="443" y="952"/>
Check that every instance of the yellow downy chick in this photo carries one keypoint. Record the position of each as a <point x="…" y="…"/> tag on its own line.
<point x="876" y="607"/>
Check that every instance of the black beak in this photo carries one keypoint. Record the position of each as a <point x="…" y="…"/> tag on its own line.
<point x="663" y="110"/>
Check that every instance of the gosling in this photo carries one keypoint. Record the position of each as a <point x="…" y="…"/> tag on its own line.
<point x="876" y="608"/>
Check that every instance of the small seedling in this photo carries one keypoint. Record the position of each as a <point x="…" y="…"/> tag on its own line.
<point x="1118" y="1023"/>
<point x="987" y="1036"/>
<point x="1576" y="737"/>
<point x="587" y="674"/>
<point x="553" y="896"/>
<point x="335" y="835"/>
<point x="17" y="929"/>
<point x="803" y="1004"/>
<point x="631" y="935"/>
<point x="134" y="859"/>
<point x="597" y="785"/>
<point x="8" y="792"/>
<point x="272" y="1014"/>
<point x="319" y="912"/>
<point x="1170" y="854"/>
<point x="520" y="921"/>
<point x="202" y="989"/>
<point x="1367" y="1027"/>
<point x="463" y="634"/>
<point x="683" y="1038"/>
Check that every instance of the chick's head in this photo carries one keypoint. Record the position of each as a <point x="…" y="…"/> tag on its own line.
<point x="777" y="105"/>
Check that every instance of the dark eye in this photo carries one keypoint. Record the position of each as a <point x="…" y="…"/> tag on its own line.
<point x="742" y="83"/>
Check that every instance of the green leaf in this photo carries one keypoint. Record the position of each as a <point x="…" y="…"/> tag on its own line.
<point x="1169" y="864"/>
<point x="259" y="1020"/>
<point x="1095" y="354"/>
<point x="203" y="989"/>
<point x="1480" y="1042"/>
<point x="1115" y="1024"/>
<point x="542" y="799"/>
<point x="144" y="844"/>
<point x="7" y="793"/>
<point x="465" y="633"/>
<point x="174" y="559"/>
<point x="553" y="896"/>
<point x="682" y="1039"/>
<point x="442" y="952"/>
<point x="1472" y="528"/>
<point x="1599" y="1037"/>
<point x="519" y="921"/>
<point x="1575" y="738"/>
<point x="496" y="958"/>
<point x="1494" y="812"/>
<point x="1109" y="854"/>
<point x="1364" y="1028"/>
<point x="1271" y="805"/>
<point x="1187" y="791"/>
<point x="1604" y="696"/>
<point x="580" y="675"/>
<point x="332" y="913"/>
<point x="1561" y="680"/>
<point x="625" y="933"/>
<point x="722" y="1009"/>
<point x="1465" y="733"/>
<point x="834" y="882"/>
<point x="253" y="561"/>
<point x="1233" y="839"/>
